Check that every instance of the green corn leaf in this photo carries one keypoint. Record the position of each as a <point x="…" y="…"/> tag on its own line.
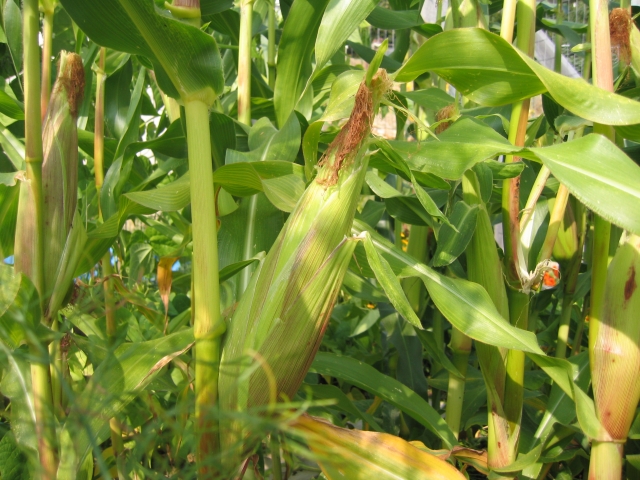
<point x="12" y="23"/>
<point x="597" y="172"/>
<point x="490" y="71"/>
<point x="11" y="107"/>
<point x="330" y="392"/>
<point x="389" y="389"/>
<point x="13" y="462"/>
<point x="562" y="372"/>
<point x="600" y="175"/>
<point x="452" y="243"/>
<point x="390" y="283"/>
<point x="394" y="19"/>
<point x="294" y="54"/>
<point x="20" y="311"/>
<point x="340" y="19"/>
<point x="431" y="99"/>
<point x="16" y="385"/>
<point x="8" y="217"/>
<point x="428" y="203"/>
<point x="465" y="304"/>
<point x="186" y="60"/>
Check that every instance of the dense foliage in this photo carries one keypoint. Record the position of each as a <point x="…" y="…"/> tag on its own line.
<point x="318" y="239"/>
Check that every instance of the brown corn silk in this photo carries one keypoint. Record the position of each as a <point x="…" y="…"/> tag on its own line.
<point x="444" y="117"/>
<point x="279" y="323"/>
<point x="620" y="31"/>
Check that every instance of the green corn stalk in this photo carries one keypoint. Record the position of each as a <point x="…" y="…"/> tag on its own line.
<point x="279" y="322"/>
<point x="616" y="357"/>
<point x="30" y="237"/>
<point x="485" y="268"/>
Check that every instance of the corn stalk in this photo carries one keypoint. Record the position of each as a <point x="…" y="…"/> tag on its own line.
<point x="29" y="245"/>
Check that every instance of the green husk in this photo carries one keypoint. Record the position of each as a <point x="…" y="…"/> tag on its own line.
<point x="616" y="356"/>
<point x="60" y="164"/>
<point x="59" y="187"/>
<point x="279" y="322"/>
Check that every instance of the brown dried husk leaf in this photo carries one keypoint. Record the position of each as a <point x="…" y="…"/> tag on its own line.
<point x="620" y="30"/>
<point x="347" y="143"/>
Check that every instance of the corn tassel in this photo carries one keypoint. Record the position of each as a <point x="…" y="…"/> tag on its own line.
<point x="616" y="361"/>
<point x="279" y="322"/>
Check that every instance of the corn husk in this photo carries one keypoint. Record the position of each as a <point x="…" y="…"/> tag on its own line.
<point x="279" y="322"/>
<point x="60" y="164"/>
<point x="616" y="357"/>
<point x="59" y="185"/>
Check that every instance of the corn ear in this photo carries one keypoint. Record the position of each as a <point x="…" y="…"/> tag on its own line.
<point x="617" y="350"/>
<point x="60" y="164"/>
<point x="279" y="322"/>
<point x="355" y="455"/>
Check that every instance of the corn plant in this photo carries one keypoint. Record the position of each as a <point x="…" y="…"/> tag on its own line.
<point x="318" y="239"/>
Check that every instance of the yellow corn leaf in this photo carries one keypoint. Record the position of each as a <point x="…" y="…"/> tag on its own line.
<point x="359" y="455"/>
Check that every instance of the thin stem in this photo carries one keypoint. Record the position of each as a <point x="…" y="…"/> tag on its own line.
<point x="244" y="62"/>
<point x="514" y="385"/>
<point x="417" y="248"/>
<point x="98" y="139"/>
<point x="606" y="457"/>
<point x="518" y="302"/>
<point x="508" y="20"/>
<point x="601" y="44"/>
<point x="244" y="116"/>
<point x="557" y="64"/>
<point x="42" y="405"/>
<point x="271" y="52"/>
<point x="208" y="324"/>
<point x="47" y="48"/>
<point x="276" y="459"/>
<point x="577" y="339"/>
<point x="602" y="78"/>
<point x="461" y="348"/>
<point x="534" y="196"/>
<point x="563" y="330"/>
<point x="56" y="368"/>
<point x="455" y="13"/>
<point x="555" y="221"/>
<point x="107" y="270"/>
<point x="511" y="193"/>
